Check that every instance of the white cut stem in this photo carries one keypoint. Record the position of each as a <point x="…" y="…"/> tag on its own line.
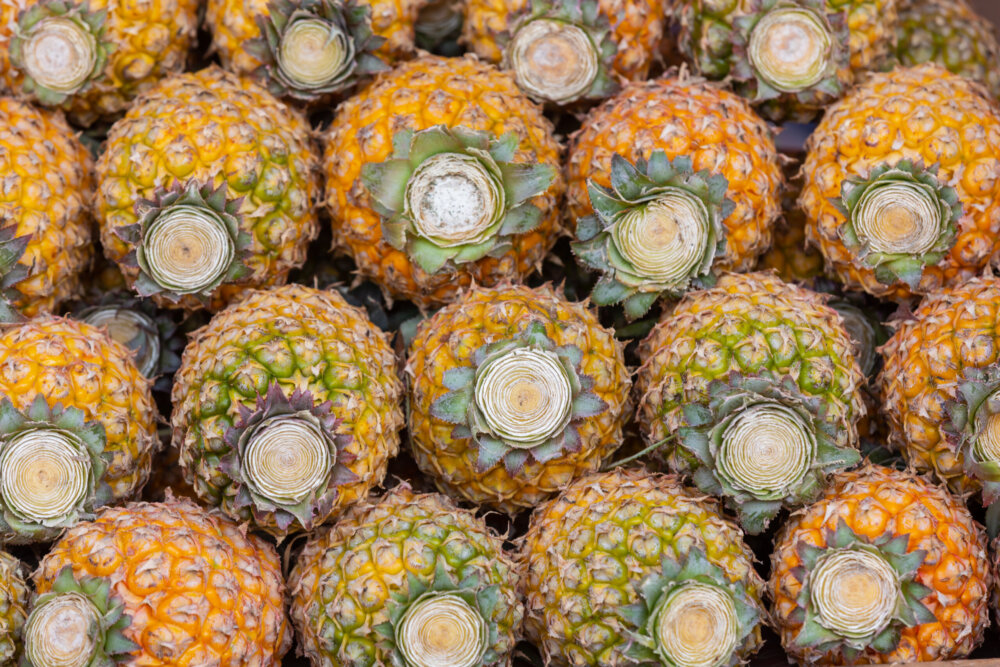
<point x="553" y="60"/>
<point x="60" y="54"/>
<point x="790" y="49"/>
<point x="314" y="53"/>
<point x="442" y="630"/>
<point x="188" y="249"/>
<point x="288" y="458"/>
<point x="697" y="626"/>
<point x="854" y="592"/>
<point x="62" y="632"/>
<point x="44" y="474"/>
<point x="898" y="218"/>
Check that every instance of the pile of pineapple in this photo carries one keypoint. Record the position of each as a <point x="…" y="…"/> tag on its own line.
<point x="459" y="333"/>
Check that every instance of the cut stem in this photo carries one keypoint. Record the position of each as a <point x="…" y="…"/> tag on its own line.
<point x="133" y="329"/>
<point x="696" y="625"/>
<point x="60" y="54"/>
<point x="187" y="248"/>
<point x="553" y="60"/>
<point x="62" y="632"/>
<point x="314" y="53"/>
<point x="898" y="217"/>
<point x="288" y="459"/>
<point x="790" y="49"/>
<point x="986" y="446"/>
<point x="854" y="592"/>
<point x="766" y="450"/>
<point x="442" y="630"/>
<point x="453" y="200"/>
<point x="44" y="474"/>
<point x="525" y="396"/>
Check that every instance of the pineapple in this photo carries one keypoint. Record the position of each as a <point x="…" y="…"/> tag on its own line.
<point x="901" y="190"/>
<point x="14" y="596"/>
<point x="307" y="50"/>
<point x="629" y="568"/>
<point x="562" y="51"/>
<point x="886" y="567"/>
<point x="686" y="184"/>
<point x="953" y="35"/>
<point x="514" y="392"/>
<point x="45" y="225"/>
<point x="287" y="408"/>
<point x="441" y="174"/>
<point x="166" y="584"/>
<point x="92" y="58"/>
<point x="791" y="58"/>
<point x="77" y="426"/>
<point x="754" y="390"/>
<point x="407" y="579"/>
<point x="205" y="189"/>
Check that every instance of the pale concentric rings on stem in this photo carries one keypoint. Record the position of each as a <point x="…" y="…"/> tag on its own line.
<point x="553" y="60"/>
<point x="442" y="630"/>
<point x="666" y="239"/>
<point x="313" y="52"/>
<point x="697" y="625"/>
<point x="188" y="248"/>
<point x="898" y="218"/>
<point x="287" y="457"/>
<point x="854" y="592"/>
<point x="60" y="54"/>
<point x="124" y="326"/>
<point x="44" y="474"/>
<point x="986" y="446"/>
<point x="453" y="200"/>
<point x="790" y="49"/>
<point x="524" y="396"/>
<point x="62" y="632"/>
<point x="766" y="450"/>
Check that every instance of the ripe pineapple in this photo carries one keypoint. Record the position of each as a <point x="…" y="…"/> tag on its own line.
<point x="953" y="35"/>
<point x="791" y="58"/>
<point x="886" y="567"/>
<point x="406" y="579"/>
<point x="686" y="182"/>
<point x="14" y="595"/>
<point x="287" y="408"/>
<point x="753" y="389"/>
<point x="901" y="188"/>
<point x="514" y="393"/>
<point x="45" y="226"/>
<point x="562" y="51"/>
<point x="77" y="426"/>
<point x="629" y="568"/>
<point x="309" y="49"/>
<point x="158" y="584"/>
<point x="92" y="58"/>
<point x="441" y="174"/>
<point x="206" y="188"/>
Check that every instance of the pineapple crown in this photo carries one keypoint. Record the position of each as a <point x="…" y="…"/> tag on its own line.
<point x="72" y="607"/>
<point x="453" y="195"/>
<point x="666" y="595"/>
<point x="12" y="271"/>
<point x="655" y="232"/>
<point x="52" y="465"/>
<point x="581" y="33"/>
<point x="882" y="569"/>
<point x="761" y="443"/>
<point x="466" y="606"/>
<point x="522" y="398"/>
<point x="67" y="26"/>
<point x="898" y="219"/>
<point x="286" y="459"/>
<point x="187" y="241"/>
<point x="314" y="48"/>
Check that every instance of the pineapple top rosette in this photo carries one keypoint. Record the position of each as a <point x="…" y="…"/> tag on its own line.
<point x="752" y="389"/>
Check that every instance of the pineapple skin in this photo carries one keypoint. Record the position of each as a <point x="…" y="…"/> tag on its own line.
<point x="198" y="587"/>
<point x="607" y="532"/>
<point x="347" y="575"/>
<point x="953" y="35"/>
<point x="152" y="39"/>
<point x="14" y="598"/>
<point x="214" y="127"/>
<point x="450" y="339"/>
<point x="48" y="178"/>
<point x="749" y="324"/>
<point x="686" y="117"/>
<point x="637" y="27"/>
<point x="304" y="339"/>
<point x="417" y="95"/>
<point x="76" y="365"/>
<point x="234" y="22"/>
<point x="875" y="501"/>
<point x="927" y="115"/>
<point x="953" y="330"/>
